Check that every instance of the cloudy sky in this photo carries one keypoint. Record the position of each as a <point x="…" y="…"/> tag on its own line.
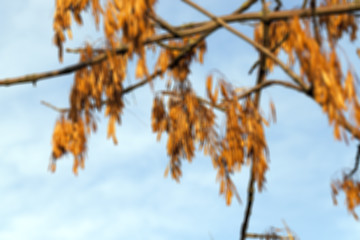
<point x="122" y="193"/>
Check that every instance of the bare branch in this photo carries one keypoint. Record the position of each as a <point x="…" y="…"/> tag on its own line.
<point x="260" y="80"/>
<point x="278" y="5"/>
<point x="304" y="4"/>
<point x="268" y="83"/>
<point x="266" y="43"/>
<point x="249" y="203"/>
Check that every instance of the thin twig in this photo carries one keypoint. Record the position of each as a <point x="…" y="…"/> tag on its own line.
<point x="272" y="236"/>
<point x="357" y="163"/>
<point x="165" y="25"/>
<point x="267" y="84"/>
<point x="316" y="28"/>
<point x="266" y="43"/>
<point x="246" y="5"/>
<point x="200" y="99"/>
<point x="272" y="50"/>
<point x="166" y="46"/>
<point x="49" y="105"/>
<point x="304" y="4"/>
<point x="249" y="203"/>
<point x="278" y="5"/>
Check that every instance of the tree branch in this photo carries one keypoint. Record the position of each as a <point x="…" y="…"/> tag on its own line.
<point x="259" y="47"/>
<point x="273" y="16"/>
<point x="190" y="29"/>
<point x="260" y="80"/>
<point x="34" y="78"/>
<point x="250" y="201"/>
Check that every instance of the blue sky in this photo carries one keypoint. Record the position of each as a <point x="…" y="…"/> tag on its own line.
<point x="122" y="193"/>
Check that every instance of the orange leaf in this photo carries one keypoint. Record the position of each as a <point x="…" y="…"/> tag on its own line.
<point x="273" y="111"/>
<point x="166" y="173"/>
<point x="337" y="132"/>
<point x="228" y="196"/>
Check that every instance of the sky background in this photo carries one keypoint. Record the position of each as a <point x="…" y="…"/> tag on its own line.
<point x="122" y="193"/>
